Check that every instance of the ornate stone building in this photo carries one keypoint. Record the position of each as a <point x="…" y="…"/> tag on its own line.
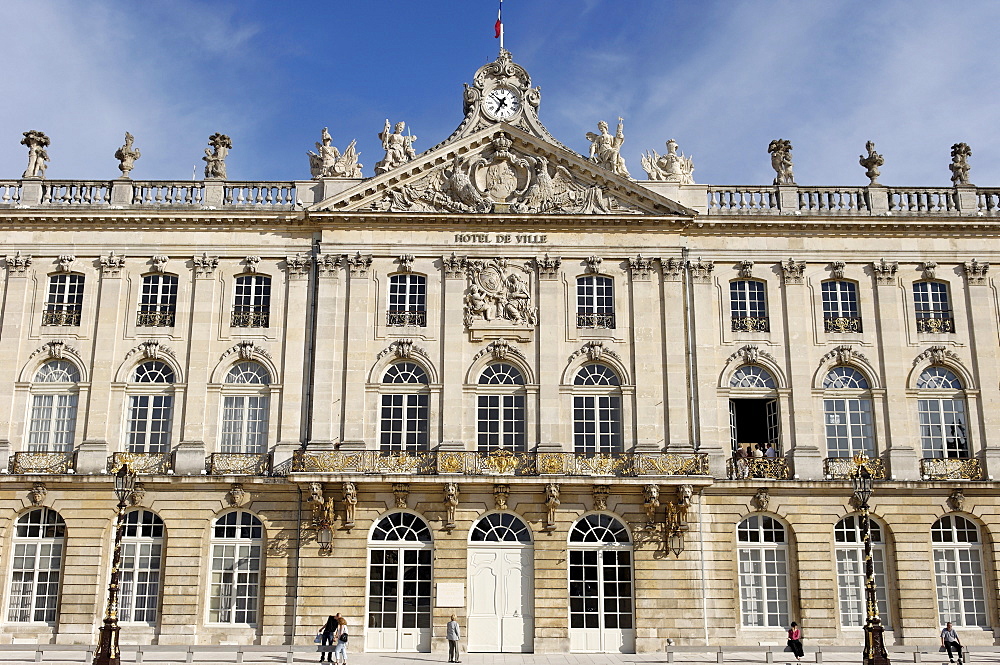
<point x="499" y="379"/>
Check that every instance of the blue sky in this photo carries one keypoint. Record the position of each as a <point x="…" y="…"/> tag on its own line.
<point x="723" y="78"/>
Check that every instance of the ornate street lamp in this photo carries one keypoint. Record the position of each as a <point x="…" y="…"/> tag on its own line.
<point x="674" y="529"/>
<point x="874" y="653"/>
<point x="107" y="645"/>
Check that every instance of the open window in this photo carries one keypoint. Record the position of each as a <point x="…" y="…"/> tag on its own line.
<point x="753" y="411"/>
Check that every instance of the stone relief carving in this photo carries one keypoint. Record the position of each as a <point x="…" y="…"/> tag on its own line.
<point x="938" y="355"/>
<point x="56" y="349"/>
<point x="701" y="271"/>
<point x="160" y="263"/>
<point x="843" y="355"/>
<point x="245" y="350"/>
<point x="316" y="494"/>
<point x="837" y="269"/>
<point x="17" y="264"/>
<point x="960" y="153"/>
<point x="406" y="262"/>
<point x="497" y="291"/>
<point x="329" y="264"/>
<point x="781" y="161"/>
<point x="454" y="266"/>
<point x="38" y="157"/>
<point x="975" y="272"/>
<point x="112" y="264"/>
<point x="215" y="157"/>
<point x="298" y="265"/>
<point x="957" y="500"/>
<point x="126" y="156"/>
<point x="398" y="148"/>
<point x="601" y="494"/>
<point x="37" y="493"/>
<point x="641" y="267"/>
<point x="350" y="504"/>
<point x="328" y="162"/>
<point x="401" y="492"/>
<point x="66" y="263"/>
<point x="359" y="264"/>
<point x="501" y="494"/>
<point x="138" y="494"/>
<point x="671" y="167"/>
<point x="761" y="499"/>
<point x="450" y="504"/>
<point x="205" y="265"/>
<point x="871" y="163"/>
<point x="551" y="504"/>
<point x="885" y="272"/>
<point x="237" y="496"/>
<point x="605" y="149"/>
<point x="746" y="269"/>
<point x="251" y="263"/>
<point x="403" y="349"/>
<point x="594" y="351"/>
<point x="152" y="350"/>
<point x="685" y="493"/>
<point x="499" y="349"/>
<point x="750" y="354"/>
<point x="929" y="269"/>
<point x="672" y="269"/>
<point x="548" y="268"/>
<point x="792" y="271"/>
<point x="593" y="264"/>
<point x="650" y="502"/>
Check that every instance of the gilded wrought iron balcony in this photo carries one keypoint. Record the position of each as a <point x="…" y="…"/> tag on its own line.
<point x="155" y="319"/>
<point x="42" y="462"/>
<point x="142" y="463"/>
<point x="240" y="464"/>
<point x="604" y="321"/>
<point x="751" y="324"/>
<point x="406" y="318"/>
<point x="775" y="468"/>
<point x="951" y="468"/>
<point x="941" y="323"/>
<point x="844" y="468"/>
<point x="842" y="324"/>
<point x="251" y="319"/>
<point x="61" y="317"/>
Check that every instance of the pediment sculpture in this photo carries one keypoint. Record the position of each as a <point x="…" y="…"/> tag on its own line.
<point x="670" y="167"/>
<point x="328" y="162"/>
<point x="499" y="291"/>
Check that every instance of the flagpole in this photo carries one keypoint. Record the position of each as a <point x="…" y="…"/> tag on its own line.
<point x="500" y="21"/>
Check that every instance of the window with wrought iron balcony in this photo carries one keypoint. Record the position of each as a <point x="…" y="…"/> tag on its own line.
<point x="158" y="303"/>
<point x="748" y="306"/>
<point x="932" y="307"/>
<point x="407" y="301"/>
<point x="595" y="302"/>
<point x="840" y="307"/>
<point x="252" y="303"/>
<point x="64" y="305"/>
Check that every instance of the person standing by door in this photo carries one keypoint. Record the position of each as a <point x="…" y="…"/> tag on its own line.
<point x="795" y="640"/>
<point x="453" y="634"/>
<point x="949" y="640"/>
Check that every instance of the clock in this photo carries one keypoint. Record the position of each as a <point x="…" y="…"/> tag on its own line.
<point x="501" y="104"/>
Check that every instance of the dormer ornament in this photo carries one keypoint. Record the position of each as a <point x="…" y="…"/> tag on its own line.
<point x="792" y="271"/>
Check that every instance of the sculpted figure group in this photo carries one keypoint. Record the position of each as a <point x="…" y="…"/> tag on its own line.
<point x="328" y="162"/>
<point x="398" y="147"/>
<point x="605" y="149"/>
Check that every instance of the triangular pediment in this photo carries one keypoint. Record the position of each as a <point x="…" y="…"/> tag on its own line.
<point x="502" y="169"/>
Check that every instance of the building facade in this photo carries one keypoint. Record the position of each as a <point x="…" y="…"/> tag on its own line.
<point x="503" y="380"/>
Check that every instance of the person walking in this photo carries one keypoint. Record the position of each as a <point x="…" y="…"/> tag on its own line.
<point x="454" y="635"/>
<point x="326" y="639"/>
<point x="795" y="640"/>
<point x="340" y="642"/>
<point x="949" y="640"/>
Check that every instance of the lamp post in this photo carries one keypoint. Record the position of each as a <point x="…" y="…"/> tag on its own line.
<point x="874" y="653"/>
<point x="107" y="644"/>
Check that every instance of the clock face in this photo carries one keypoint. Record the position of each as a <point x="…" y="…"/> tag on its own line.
<point x="501" y="104"/>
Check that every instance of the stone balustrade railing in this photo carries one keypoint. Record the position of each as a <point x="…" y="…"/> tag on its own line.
<point x="851" y="201"/>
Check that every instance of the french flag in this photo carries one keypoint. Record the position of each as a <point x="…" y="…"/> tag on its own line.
<point x="498" y="28"/>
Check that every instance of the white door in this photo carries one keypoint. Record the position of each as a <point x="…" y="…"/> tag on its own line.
<point x="501" y="610"/>
<point x="399" y="600"/>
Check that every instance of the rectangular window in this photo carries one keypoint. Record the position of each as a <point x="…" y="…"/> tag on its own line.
<point x="140" y="582"/>
<point x="404" y="422"/>
<point x="748" y="306"/>
<point x="244" y="423"/>
<point x="65" y="300"/>
<point x="763" y="587"/>
<point x="958" y="576"/>
<point x="407" y="301"/>
<point x="840" y="307"/>
<point x="597" y="423"/>
<point x="848" y="427"/>
<point x="932" y="308"/>
<point x="235" y="584"/>
<point x="501" y="422"/>
<point x="252" y="302"/>
<point x="158" y="303"/>
<point x="942" y="428"/>
<point x="851" y="582"/>
<point x="149" y="423"/>
<point x="34" y="585"/>
<point x="53" y="423"/>
<point x="595" y="302"/>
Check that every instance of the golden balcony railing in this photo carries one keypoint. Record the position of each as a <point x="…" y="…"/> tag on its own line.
<point x="939" y="323"/>
<point x="492" y="463"/>
<point x="39" y="462"/>
<point x="951" y="468"/>
<point x="251" y="319"/>
<point x="155" y="319"/>
<point x="844" y="468"/>
<point x="842" y="324"/>
<point x="245" y="464"/>
<point x="751" y="324"/>
<point x="670" y="464"/>
<point x="61" y="317"/>
<point x="739" y="468"/>
<point x="366" y="461"/>
<point x="142" y="463"/>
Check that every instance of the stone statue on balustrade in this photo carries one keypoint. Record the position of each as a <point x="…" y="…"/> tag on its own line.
<point x="781" y="161"/>
<point x="671" y="167"/>
<point x="37" y="156"/>
<point x="215" y="158"/>
<point x="126" y="156"/>
<point x="328" y="162"/>
<point x="960" y="153"/>
<point x="871" y="163"/>
<point x="605" y="149"/>
<point x="398" y="148"/>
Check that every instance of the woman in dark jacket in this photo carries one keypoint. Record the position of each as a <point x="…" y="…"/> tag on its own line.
<point x="329" y="628"/>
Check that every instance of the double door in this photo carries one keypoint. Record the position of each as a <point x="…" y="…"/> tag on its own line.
<point x="501" y="599"/>
<point x="399" y="600"/>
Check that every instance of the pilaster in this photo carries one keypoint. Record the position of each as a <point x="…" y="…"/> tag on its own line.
<point x="982" y="343"/>
<point x="328" y="378"/>
<point x="673" y="338"/>
<point x="648" y="359"/>
<point x="710" y="436"/>
<point x="454" y="342"/>
<point x="109" y="318"/>
<point x="14" y="325"/>
<point x="200" y="361"/>
<point x="805" y="451"/>
<point x="549" y="338"/>
<point x="356" y="358"/>
<point x="299" y="273"/>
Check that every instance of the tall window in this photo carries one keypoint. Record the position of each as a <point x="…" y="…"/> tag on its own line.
<point x="941" y="410"/>
<point x="405" y="419"/>
<point x="151" y="406"/>
<point x="142" y="551"/>
<point x="52" y="424"/>
<point x="754" y="421"/>
<point x="748" y="305"/>
<point x="500" y="408"/>
<point x="158" y="303"/>
<point x="245" y="408"/>
<point x="851" y="571"/>
<point x="237" y="539"/>
<point x="407" y="300"/>
<point x="840" y="307"/>
<point x="600" y="583"/>
<point x="932" y="307"/>
<point x="595" y="302"/>
<point x="37" y="564"/>
<point x="399" y="579"/>
<point x="763" y="560"/>
<point x="252" y="302"/>
<point x="958" y="572"/>
<point x="597" y="410"/>
<point x="65" y="301"/>
<point x="847" y="413"/>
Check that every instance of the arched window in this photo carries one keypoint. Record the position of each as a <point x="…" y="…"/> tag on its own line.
<point x="941" y="413"/>
<point x="847" y="413"/>
<point x="252" y="302"/>
<point x="64" y="304"/>
<point x="595" y="302"/>
<point x="142" y="554"/>
<point x="850" y="554"/>
<point x="500" y="408"/>
<point x="245" y="409"/>
<point x="763" y="565"/>
<point x="399" y="584"/>
<point x="500" y="528"/>
<point x="52" y="425"/>
<point x="600" y="585"/>
<point x="405" y="415"/>
<point x="407" y="300"/>
<point x="754" y="424"/>
<point x="932" y="307"/>
<point x="237" y="542"/>
<point x="151" y="408"/>
<point x="158" y="303"/>
<point x="958" y="572"/>
<point x="840" y="307"/>
<point x="748" y="305"/>
<point x="597" y="410"/>
<point x="752" y="376"/>
<point x="37" y="566"/>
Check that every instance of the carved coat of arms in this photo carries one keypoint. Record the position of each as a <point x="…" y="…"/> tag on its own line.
<point x="499" y="290"/>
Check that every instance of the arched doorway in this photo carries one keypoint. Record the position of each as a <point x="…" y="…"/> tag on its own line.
<point x="501" y="585"/>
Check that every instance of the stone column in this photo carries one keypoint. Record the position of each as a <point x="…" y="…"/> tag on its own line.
<point x="982" y="320"/>
<point x="648" y="355"/>
<point x="712" y="435"/>
<point x="356" y="360"/>
<point x="677" y="428"/>
<point x="298" y="318"/>
<point x="549" y="336"/>
<point x="805" y="452"/>
<point x="454" y="339"/>
<point x="328" y="377"/>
